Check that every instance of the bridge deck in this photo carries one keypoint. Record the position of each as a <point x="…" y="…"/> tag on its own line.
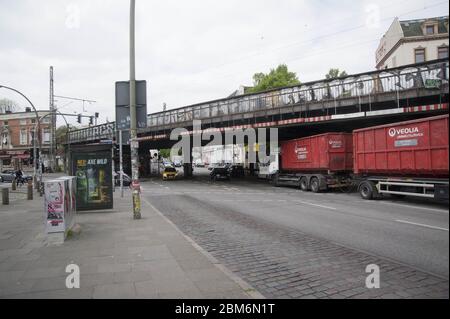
<point x="392" y="90"/>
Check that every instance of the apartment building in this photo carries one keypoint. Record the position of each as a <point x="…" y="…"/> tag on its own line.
<point x="17" y="134"/>
<point x="413" y="41"/>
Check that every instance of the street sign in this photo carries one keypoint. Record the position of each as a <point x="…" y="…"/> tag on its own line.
<point x="123" y="107"/>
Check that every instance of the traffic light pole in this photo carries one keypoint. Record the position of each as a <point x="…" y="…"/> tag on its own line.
<point x="113" y="167"/>
<point x="134" y="144"/>
<point x="120" y="164"/>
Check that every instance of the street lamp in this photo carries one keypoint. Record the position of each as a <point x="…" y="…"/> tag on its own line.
<point x="39" y="128"/>
<point x="38" y="124"/>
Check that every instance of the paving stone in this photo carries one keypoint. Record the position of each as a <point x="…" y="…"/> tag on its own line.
<point x="114" y="291"/>
<point x="118" y="258"/>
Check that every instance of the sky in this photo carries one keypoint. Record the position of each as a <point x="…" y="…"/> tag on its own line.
<point x="187" y="51"/>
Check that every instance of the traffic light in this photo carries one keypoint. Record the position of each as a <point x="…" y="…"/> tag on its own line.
<point x="91" y="120"/>
<point x="79" y="118"/>
<point x="96" y="115"/>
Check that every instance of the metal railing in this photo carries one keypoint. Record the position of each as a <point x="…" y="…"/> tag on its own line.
<point x="352" y="86"/>
<point x="98" y="132"/>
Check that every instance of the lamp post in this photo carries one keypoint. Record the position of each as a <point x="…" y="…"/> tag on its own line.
<point x="38" y="124"/>
<point x="39" y="128"/>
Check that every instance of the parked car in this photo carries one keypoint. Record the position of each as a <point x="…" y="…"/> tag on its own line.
<point x="218" y="173"/>
<point x="27" y="177"/>
<point x="126" y="179"/>
<point x="8" y="175"/>
<point x="169" y="173"/>
<point x="199" y="164"/>
<point x="177" y="164"/>
<point x="236" y="171"/>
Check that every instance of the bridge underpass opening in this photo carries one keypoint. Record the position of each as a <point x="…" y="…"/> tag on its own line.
<point x="286" y="132"/>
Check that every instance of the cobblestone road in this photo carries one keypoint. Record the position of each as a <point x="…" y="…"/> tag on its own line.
<point x="282" y="262"/>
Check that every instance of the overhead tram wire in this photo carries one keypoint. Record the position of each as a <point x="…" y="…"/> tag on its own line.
<point x="317" y="38"/>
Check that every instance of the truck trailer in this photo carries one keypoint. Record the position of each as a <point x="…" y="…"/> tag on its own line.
<point x="406" y="158"/>
<point x="316" y="163"/>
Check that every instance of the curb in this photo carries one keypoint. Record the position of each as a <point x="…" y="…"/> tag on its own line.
<point x="248" y="289"/>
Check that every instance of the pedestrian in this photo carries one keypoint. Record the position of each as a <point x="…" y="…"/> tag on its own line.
<point x="19" y="177"/>
<point x="43" y="167"/>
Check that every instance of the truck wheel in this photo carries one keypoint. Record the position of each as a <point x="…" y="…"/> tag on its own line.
<point x="367" y="190"/>
<point x="275" y="180"/>
<point x="315" y="185"/>
<point x="304" y="184"/>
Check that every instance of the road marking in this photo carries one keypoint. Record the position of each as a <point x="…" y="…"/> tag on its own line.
<point x="408" y="206"/>
<point x="318" y="205"/>
<point x="422" y="225"/>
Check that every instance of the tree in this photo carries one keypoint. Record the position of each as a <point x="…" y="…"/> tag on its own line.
<point x="165" y="152"/>
<point x="61" y="133"/>
<point x="7" y="105"/>
<point x="334" y="74"/>
<point x="276" y="78"/>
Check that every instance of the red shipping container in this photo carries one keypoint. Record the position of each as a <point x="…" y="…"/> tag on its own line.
<point x="414" y="148"/>
<point x="329" y="152"/>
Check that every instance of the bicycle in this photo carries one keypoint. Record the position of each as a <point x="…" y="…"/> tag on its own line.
<point x="20" y="181"/>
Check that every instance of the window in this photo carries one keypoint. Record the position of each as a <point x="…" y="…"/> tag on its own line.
<point x="5" y="123"/>
<point x="23" y="122"/>
<point x="5" y="139"/>
<point x="419" y="55"/>
<point x="23" y="137"/>
<point x="429" y="29"/>
<point x="46" y="135"/>
<point x="31" y="137"/>
<point x="442" y="52"/>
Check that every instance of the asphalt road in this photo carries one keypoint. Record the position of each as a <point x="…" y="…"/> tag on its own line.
<point x="410" y="232"/>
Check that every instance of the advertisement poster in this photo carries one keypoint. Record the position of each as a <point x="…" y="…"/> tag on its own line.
<point x="69" y="200"/>
<point x="93" y="180"/>
<point x="55" y="205"/>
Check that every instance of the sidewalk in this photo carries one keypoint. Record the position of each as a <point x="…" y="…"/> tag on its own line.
<point x="118" y="257"/>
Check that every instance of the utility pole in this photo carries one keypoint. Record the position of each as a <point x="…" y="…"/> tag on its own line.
<point x="120" y="163"/>
<point x="134" y="144"/>
<point x="52" y="123"/>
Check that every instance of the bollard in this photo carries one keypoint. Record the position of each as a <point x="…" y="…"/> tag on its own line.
<point x="5" y="196"/>
<point x="13" y="185"/>
<point x="30" y="190"/>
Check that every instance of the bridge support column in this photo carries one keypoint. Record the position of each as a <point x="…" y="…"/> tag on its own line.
<point x="188" y="167"/>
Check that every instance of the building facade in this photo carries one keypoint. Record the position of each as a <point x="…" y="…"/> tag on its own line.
<point x="413" y="41"/>
<point x="17" y="134"/>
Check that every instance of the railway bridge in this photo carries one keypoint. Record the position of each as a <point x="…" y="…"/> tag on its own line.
<point x="342" y="104"/>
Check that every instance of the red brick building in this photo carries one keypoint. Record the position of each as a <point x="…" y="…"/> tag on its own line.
<point x="16" y="137"/>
